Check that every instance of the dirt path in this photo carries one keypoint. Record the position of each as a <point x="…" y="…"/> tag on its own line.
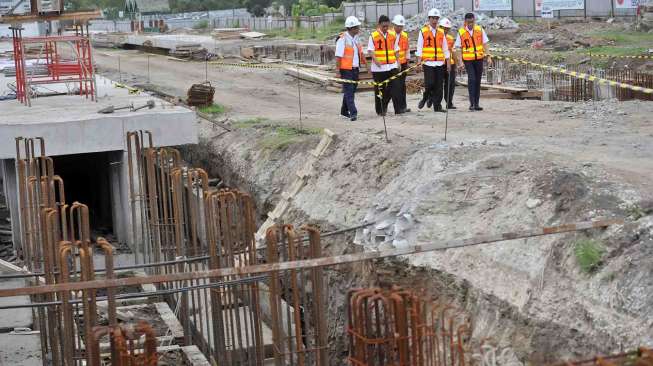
<point x="616" y="136"/>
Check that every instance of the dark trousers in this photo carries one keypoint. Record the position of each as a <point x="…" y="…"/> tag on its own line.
<point x="449" y="88"/>
<point x="348" y="108"/>
<point x="474" y="73"/>
<point x="401" y="88"/>
<point x="389" y="91"/>
<point x="433" y="84"/>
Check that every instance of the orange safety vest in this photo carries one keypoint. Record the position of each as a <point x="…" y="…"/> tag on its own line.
<point x="472" y="44"/>
<point x="432" y="45"/>
<point x="384" y="47"/>
<point x="403" y="47"/>
<point x="347" y="59"/>
<point x="450" y="43"/>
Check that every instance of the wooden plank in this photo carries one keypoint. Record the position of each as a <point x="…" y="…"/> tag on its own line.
<point x="82" y="16"/>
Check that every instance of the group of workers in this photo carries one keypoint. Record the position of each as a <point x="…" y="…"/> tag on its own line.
<point x="438" y="55"/>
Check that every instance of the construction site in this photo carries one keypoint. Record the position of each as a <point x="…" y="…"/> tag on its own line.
<point x="187" y="196"/>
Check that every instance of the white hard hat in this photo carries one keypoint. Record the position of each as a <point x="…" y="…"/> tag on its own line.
<point x="445" y="23"/>
<point x="434" y="13"/>
<point x="399" y="20"/>
<point x="351" y="22"/>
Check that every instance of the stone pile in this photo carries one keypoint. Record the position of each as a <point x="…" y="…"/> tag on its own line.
<point x="457" y="18"/>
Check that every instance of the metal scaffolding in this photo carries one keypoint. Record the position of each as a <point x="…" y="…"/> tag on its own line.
<point x="55" y="67"/>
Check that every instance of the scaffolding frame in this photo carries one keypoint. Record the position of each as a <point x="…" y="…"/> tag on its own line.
<point x="77" y="70"/>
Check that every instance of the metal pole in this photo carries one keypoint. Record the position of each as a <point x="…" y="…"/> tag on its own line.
<point x="206" y="68"/>
<point x="310" y="263"/>
<point x="585" y="9"/>
<point x="299" y="98"/>
<point x="119" y="70"/>
<point x="448" y="91"/>
<point x="148" y="69"/>
<point x="385" y="128"/>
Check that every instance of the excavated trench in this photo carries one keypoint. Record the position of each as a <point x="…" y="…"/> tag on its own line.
<point x="528" y="295"/>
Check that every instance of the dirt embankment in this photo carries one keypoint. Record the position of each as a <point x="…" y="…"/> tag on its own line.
<point x="528" y="294"/>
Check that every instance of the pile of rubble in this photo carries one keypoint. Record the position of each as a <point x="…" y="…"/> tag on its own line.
<point x="458" y="17"/>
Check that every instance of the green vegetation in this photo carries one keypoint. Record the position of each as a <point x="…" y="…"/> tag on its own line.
<point x="251" y="123"/>
<point x="202" y="24"/>
<point x="281" y="137"/>
<point x="213" y="109"/>
<point x="321" y="34"/>
<point x="635" y="212"/>
<point x="277" y="137"/>
<point x="310" y="8"/>
<point x="626" y="43"/>
<point x="589" y="254"/>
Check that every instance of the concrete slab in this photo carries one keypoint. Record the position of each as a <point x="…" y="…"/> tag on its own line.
<point x="13" y="318"/>
<point x="20" y="350"/>
<point x="72" y="125"/>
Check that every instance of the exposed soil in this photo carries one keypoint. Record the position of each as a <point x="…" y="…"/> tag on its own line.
<point x="173" y="358"/>
<point x="518" y="164"/>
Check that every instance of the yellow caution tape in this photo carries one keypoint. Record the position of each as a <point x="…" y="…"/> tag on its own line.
<point x="613" y="56"/>
<point x="129" y="88"/>
<point x="578" y="75"/>
<point x="287" y="66"/>
<point x="506" y="50"/>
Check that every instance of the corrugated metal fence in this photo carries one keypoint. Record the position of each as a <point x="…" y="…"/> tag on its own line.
<point x="371" y="10"/>
<point x="253" y="23"/>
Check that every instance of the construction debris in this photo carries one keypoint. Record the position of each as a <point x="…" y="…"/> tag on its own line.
<point x="190" y="52"/>
<point x="458" y="18"/>
<point x="200" y="95"/>
<point x="227" y="33"/>
<point x="111" y="109"/>
<point x="252" y="35"/>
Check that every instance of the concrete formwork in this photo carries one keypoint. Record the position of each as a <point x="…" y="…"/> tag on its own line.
<point x="71" y="125"/>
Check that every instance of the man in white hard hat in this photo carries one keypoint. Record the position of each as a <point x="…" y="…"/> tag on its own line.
<point x="473" y="44"/>
<point x="383" y="46"/>
<point x="404" y="56"/>
<point x="349" y="58"/>
<point x="433" y="52"/>
<point x="450" y="73"/>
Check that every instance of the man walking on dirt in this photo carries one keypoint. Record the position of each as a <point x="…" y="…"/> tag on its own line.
<point x="473" y="43"/>
<point x="383" y="46"/>
<point x="432" y="51"/>
<point x="450" y="72"/>
<point x="349" y="57"/>
<point x="404" y="56"/>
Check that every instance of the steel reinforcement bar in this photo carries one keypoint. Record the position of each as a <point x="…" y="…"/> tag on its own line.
<point x="311" y="263"/>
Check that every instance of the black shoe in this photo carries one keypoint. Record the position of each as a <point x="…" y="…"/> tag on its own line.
<point x="381" y="114"/>
<point x="353" y="118"/>
<point x="472" y="108"/>
<point x="477" y="108"/>
<point x="429" y="103"/>
<point x="406" y="110"/>
<point x="439" y="109"/>
<point x="451" y="106"/>
<point x="421" y="103"/>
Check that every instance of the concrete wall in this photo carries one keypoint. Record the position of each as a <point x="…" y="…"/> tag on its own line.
<point x="10" y="187"/>
<point x="370" y="10"/>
